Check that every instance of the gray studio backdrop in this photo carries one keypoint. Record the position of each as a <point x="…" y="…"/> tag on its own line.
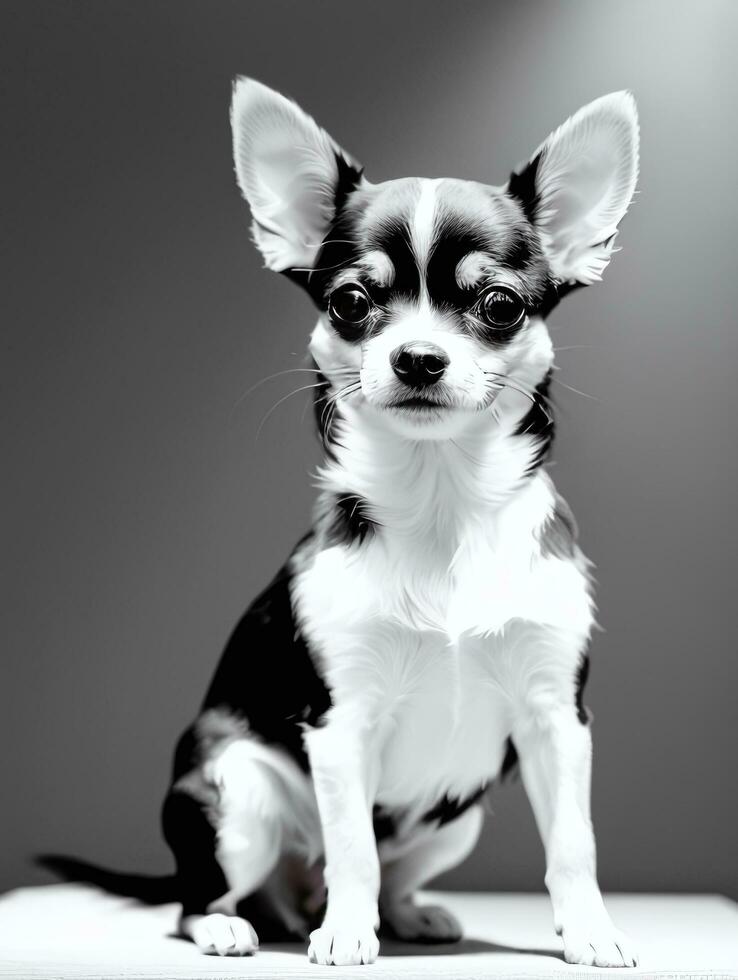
<point x="142" y="512"/>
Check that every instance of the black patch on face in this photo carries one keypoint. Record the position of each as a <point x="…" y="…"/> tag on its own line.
<point x="510" y="244"/>
<point x="513" y="244"/>
<point x="351" y="521"/>
<point x="518" y="250"/>
<point x="539" y="422"/>
<point x="581" y="680"/>
<point x="393" y="237"/>
<point x="448" y="809"/>
<point x="450" y="248"/>
<point x="343" y="248"/>
<point x="507" y="239"/>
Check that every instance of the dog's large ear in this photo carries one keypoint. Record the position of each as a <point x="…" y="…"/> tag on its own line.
<point x="291" y="173"/>
<point x="579" y="184"/>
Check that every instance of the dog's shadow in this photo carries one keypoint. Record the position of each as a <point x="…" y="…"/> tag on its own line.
<point x="464" y="947"/>
<point x="395" y="947"/>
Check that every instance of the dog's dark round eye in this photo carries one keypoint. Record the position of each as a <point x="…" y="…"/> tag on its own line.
<point x="349" y="305"/>
<point x="501" y="307"/>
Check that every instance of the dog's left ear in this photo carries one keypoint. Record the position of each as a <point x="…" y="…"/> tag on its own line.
<point x="291" y="173"/>
<point x="579" y="184"/>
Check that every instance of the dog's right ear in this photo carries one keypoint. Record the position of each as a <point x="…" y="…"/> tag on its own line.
<point x="290" y="171"/>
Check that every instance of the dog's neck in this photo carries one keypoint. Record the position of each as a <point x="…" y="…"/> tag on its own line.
<point x="417" y="487"/>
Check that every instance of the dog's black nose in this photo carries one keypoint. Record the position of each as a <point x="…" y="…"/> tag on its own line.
<point x="419" y="364"/>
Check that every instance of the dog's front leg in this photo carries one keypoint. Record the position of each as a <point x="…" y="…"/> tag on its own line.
<point x="344" y="768"/>
<point x="555" y="750"/>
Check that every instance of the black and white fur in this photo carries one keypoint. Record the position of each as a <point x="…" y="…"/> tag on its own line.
<point x="434" y="623"/>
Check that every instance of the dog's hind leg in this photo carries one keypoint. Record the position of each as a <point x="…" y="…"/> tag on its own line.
<point x="426" y="856"/>
<point x="200" y="879"/>
<point x="227" y="850"/>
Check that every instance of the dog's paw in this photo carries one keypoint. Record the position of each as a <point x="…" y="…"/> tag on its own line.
<point x="600" y="944"/>
<point x="343" y="945"/>
<point x="422" y="923"/>
<point x="221" y="935"/>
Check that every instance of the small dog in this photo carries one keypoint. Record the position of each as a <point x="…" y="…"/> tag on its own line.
<point x="431" y="630"/>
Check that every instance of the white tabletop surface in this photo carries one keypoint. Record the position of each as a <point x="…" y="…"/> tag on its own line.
<point x="73" y="931"/>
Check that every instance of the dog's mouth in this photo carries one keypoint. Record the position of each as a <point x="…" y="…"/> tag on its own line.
<point x="416" y="403"/>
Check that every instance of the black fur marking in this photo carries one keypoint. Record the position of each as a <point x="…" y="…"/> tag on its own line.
<point x="509" y="243"/>
<point x="539" y="421"/>
<point x="448" y="809"/>
<point x="518" y="251"/>
<point x="265" y="676"/>
<point x="450" y="248"/>
<point x="384" y="823"/>
<point x="325" y="412"/>
<point x="150" y="889"/>
<point x="555" y="292"/>
<point x="191" y="837"/>
<point x="510" y="761"/>
<point x="583" y="713"/>
<point x="266" y="685"/>
<point x="393" y="237"/>
<point x="551" y="298"/>
<point x="349" y="177"/>
<point x="340" y="248"/>
<point x="199" y="877"/>
<point x="351" y="522"/>
<point x="464" y="225"/>
<point x="522" y="187"/>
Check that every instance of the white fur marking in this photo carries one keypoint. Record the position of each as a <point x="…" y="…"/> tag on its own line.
<point x="423" y="224"/>
<point x="378" y="266"/>
<point x="471" y="269"/>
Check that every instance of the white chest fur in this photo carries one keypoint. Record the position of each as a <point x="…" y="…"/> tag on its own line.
<point x="431" y="630"/>
<point x="471" y="577"/>
<point x="446" y="727"/>
<point x="434" y="639"/>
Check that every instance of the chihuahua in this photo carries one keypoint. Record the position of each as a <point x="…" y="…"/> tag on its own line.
<point x="431" y="630"/>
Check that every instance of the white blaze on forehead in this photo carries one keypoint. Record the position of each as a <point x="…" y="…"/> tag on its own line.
<point x="423" y="222"/>
<point x="378" y="266"/>
<point x="471" y="269"/>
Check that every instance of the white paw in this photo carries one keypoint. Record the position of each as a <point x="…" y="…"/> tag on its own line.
<point x="422" y="923"/>
<point x="598" y="945"/>
<point x="343" y="945"/>
<point x="221" y="935"/>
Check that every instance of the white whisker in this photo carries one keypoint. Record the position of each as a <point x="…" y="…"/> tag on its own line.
<point x="576" y="390"/>
<point x="271" y="377"/>
<point x="281" y="400"/>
